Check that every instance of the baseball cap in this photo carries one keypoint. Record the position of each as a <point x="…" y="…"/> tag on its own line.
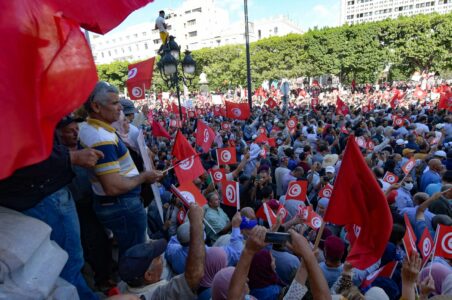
<point x="401" y="142"/>
<point x="68" y="120"/>
<point x="136" y="260"/>
<point x="127" y="106"/>
<point x="254" y="137"/>
<point x="330" y="169"/>
<point x="406" y="151"/>
<point x="440" y="153"/>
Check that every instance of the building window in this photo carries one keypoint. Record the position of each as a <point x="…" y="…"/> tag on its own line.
<point x="116" y="51"/>
<point x="259" y="34"/>
<point x="156" y="41"/>
<point x="275" y="31"/>
<point x="102" y="54"/>
<point x="109" y="53"/>
<point x="191" y="22"/>
<point x="146" y="46"/>
<point x="144" y="33"/>
<point x="128" y="37"/>
<point x="135" y="35"/>
<point x="193" y="34"/>
<point x="187" y="12"/>
<point x="197" y="9"/>
<point x="122" y="49"/>
<point x="130" y="49"/>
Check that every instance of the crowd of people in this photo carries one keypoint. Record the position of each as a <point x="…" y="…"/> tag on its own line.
<point x="95" y="192"/>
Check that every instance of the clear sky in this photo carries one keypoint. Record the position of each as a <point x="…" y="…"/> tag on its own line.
<point x="306" y="13"/>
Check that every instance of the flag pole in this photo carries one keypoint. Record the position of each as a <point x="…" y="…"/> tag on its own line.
<point x="319" y="235"/>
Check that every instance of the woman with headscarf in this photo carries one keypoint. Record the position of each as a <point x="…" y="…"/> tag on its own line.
<point x="216" y="259"/>
<point x="439" y="273"/>
<point x="263" y="281"/>
<point x="220" y="283"/>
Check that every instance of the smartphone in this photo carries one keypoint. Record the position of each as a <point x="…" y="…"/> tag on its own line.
<point x="277" y="237"/>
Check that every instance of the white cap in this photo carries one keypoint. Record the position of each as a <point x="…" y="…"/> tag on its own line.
<point x="254" y="137"/>
<point x="401" y="142"/>
<point x="439" y="126"/>
<point x="330" y="169"/>
<point x="440" y="153"/>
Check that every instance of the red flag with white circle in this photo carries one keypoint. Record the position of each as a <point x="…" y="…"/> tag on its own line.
<point x="226" y="156"/>
<point x="189" y="169"/>
<point x="443" y="243"/>
<point x="409" y="239"/>
<point x="218" y="175"/>
<point x="390" y="178"/>
<point x="204" y="136"/>
<point x="139" y="78"/>
<point x="292" y="124"/>
<point x="190" y="193"/>
<point x="326" y="191"/>
<point x="408" y="166"/>
<point x="297" y="190"/>
<point x="425" y="245"/>
<point x="231" y="193"/>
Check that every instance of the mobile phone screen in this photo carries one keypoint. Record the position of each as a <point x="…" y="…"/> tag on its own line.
<point x="277" y="237"/>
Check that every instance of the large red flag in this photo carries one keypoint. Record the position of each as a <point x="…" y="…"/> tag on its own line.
<point x="139" y="78"/>
<point x="357" y="199"/>
<point x="191" y="193"/>
<point x="341" y="107"/>
<point x="238" y="111"/>
<point x="47" y="71"/>
<point x="189" y="169"/>
<point x="182" y="148"/>
<point x="204" y="136"/>
<point x="99" y="16"/>
<point x="445" y="101"/>
<point x="158" y="130"/>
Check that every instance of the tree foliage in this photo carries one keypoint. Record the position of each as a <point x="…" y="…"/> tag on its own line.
<point x="360" y="52"/>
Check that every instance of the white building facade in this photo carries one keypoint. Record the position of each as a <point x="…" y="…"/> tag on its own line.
<point x="196" y="24"/>
<point x="359" y="11"/>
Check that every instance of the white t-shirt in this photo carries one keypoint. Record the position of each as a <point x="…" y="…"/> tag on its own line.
<point x="160" y="23"/>
<point x="421" y="128"/>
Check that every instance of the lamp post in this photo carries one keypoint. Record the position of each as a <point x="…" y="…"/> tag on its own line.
<point x="169" y="68"/>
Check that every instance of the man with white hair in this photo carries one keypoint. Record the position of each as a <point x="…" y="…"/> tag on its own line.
<point x="115" y="179"/>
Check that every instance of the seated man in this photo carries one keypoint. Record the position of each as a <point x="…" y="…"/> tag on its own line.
<point x="217" y="221"/>
<point x="141" y="266"/>
<point x="178" y="246"/>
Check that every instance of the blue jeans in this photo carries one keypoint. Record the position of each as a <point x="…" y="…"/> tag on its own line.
<point x="58" y="211"/>
<point x="125" y="217"/>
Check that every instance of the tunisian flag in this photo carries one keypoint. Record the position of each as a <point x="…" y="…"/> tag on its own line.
<point x="99" y="16"/>
<point x="341" y="107"/>
<point x="182" y="148"/>
<point x="358" y="200"/>
<point x="191" y="193"/>
<point x="231" y="193"/>
<point x="226" y="156"/>
<point x="204" y="136"/>
<point x="158" y="130"/>
<point x="238" y="111"/>
<point x="189" y="169"/>
<point x="443" y="241"/>
<point x="47" y="71"/>
<point x="139" y="78"/>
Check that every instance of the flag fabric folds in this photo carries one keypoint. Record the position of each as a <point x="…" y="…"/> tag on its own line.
<point x="358" y="200"/>
<point x="204" y="136"/>
<point x="47" y="72"/>
<point x="159" y="130"/>
<point x="189" y="169"/>
<point x="182" y="148"/>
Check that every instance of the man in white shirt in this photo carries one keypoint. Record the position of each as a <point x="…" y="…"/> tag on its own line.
<point x="161" y="26"/>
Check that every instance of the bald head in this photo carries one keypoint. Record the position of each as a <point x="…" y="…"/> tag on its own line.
<point x="248" y="212"/>
<point x="420" y="198"/>
<point x="435" y="165"/>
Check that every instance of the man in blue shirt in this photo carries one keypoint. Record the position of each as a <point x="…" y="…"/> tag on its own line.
<point x="432" y="175"/>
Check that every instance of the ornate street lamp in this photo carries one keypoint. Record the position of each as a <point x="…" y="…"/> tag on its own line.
<point x="169" y="68"/>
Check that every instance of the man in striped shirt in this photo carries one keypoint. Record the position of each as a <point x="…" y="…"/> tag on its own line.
<point x="115" y="179"/>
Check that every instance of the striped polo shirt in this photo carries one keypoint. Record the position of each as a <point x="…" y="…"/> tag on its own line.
<point x="101" y="136"/>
